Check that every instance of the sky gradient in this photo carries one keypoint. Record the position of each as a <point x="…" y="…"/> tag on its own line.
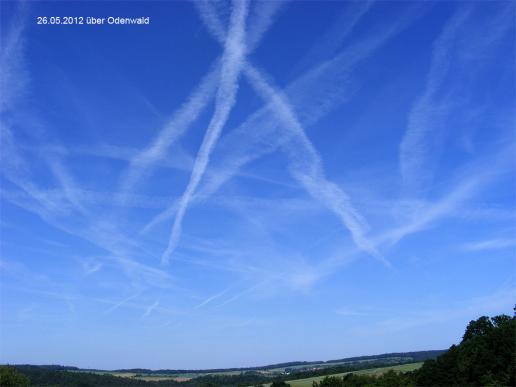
<point x="239" y="184"/>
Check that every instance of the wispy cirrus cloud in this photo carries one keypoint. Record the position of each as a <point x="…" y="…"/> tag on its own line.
<point x="426" y="119"/>
<point x="262" y="15"/>
<point x="476" y="177"/>
<point x="14" y="82"/>
<point x="329" y="85"/>
<point x="176" y="127"/>
<point x="122" y="250"/>
<point x="433" y="212"/>
<point x="242" y="293"/>
<point x="143" y="162"/>
<point x="328" y="45"/>
<point x="181" y="160"/>
<point x="490" y="244"/>
<point x="471" y="181"/>
<point x="429" y="121"/>
<point x="231" y="66"/>
<point x="93" y="267"/>
<point x="211" y="298"/>
<point x="63" y="208"/>
<point x="150" y="309"/>
<point x="282" y="210"/>
<point x="502" y="299"/>
<point x="306" y="166"/>
<point x="307" y="170"/>
<point x="121" y="303"/>
<point x="13" y="74"/>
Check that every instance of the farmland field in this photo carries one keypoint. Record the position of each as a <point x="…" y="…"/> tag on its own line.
<point x="180" y="377"/>
<point x="307" y="382"/>
<point x="372" y="371"/>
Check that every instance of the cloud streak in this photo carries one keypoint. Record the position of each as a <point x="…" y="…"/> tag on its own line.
<point x="150" y="309"/>
<point x="328" y="85"/>
<point x="490" y="244"/>
<point x="306" y="166"/>
<point x="429" y="121"/>
<point x="231" y="66"/>
<point x="259" y="128"/>
<point x="13" y="75"/>
<point x="121" y="303"/>
<point x="211" y="298"/>
<point x="417" y="147"/>
<point x="143" y="163"/>
<point x="327" y="46"/>
<point x="178" y="124"/>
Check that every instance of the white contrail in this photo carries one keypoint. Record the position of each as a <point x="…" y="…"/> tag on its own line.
<point x="329" y="86"/>
<point x="92" y="268"/>
<point x="490" y="244"/>
<point x="473" y="179"/>
<point x="12" y="72"/>
<point x="307" y="170"/>
<point x="264" y="15"/>
<point x="422" y="143"/>
<point x="50" y="211"/>
<point x="150" y="308"/>
<point x="262" y="18"/>
<point x="415" y="150"/>
<point x="328" y="45"/>
<point x="119" y="304"/>
<point x="68" y="185"/>
<point x="231" y="66"/>
<point x="478" y="177"/>
<point x="243" y="292"/>
<point x="211" y="298"/>
<point x="178" y="124"/>
<point x="211" y="20"/>
<point x="258" y="135"/>
<point x="13" y="83"/>
<point x="44" y="203"/>
<point x="190" y="111"/>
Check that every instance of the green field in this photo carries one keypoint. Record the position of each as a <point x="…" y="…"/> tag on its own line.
<point x="372" y="371"/>
<point x="159" y="377"/>
<point x="301" y="367"/>
<point x="294" y="383"/>
<point x="270" y="372"/>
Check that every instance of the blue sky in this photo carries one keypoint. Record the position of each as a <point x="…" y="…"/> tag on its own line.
<point x="238" y="184"/>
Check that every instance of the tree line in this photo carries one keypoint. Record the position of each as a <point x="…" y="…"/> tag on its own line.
<point x="486" y="356"/>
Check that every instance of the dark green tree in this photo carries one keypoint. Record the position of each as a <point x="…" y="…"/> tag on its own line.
<point x="9" y="377"/>
<point x="485" y="357"/>
<point x="479" y="327"/>
<point x="279" y="383"/>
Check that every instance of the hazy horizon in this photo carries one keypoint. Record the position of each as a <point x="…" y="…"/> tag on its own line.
<point x="244" y="183"/>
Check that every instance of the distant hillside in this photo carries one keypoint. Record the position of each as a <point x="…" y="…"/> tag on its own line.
<point x="57" y="375"/>
<point x="414" y="356"/>
<point x="486" y="356"/>
<point x="401" y="357"/>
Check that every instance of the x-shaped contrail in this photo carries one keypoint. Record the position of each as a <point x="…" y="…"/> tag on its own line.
<point x="187" y="114"/>
<point x="307" y="171"/>
<point x="231" y="66"/>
